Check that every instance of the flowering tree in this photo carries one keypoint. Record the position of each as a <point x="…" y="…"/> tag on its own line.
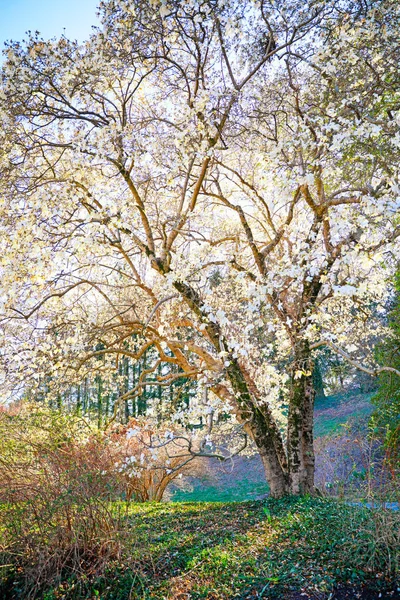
<point x="217" y="181"/>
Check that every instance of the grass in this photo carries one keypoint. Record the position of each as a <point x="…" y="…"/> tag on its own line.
<point x="332" y="413"/>
<point x="334" y="424"/>
<point x="242" y="490"/>
<point x="226" y="551"/>
<point x="221" y="548"/>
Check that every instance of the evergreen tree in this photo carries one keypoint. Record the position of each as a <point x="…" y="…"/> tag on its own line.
<point x="387" y="400"/>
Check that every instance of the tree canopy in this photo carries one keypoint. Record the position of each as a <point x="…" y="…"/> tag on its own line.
<point x="217" y="181"/>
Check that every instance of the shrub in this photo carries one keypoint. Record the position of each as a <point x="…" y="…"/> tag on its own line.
<point x="150" y="458"/>
<point x="59" y="480"/>
<point x="386" y="418"/>
<point x="56" y="483"/>
<point x="354" y="465"/>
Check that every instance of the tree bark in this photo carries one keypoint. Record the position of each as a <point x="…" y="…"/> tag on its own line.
<point x="264" y="439"/>
<point x="300" y="440"/>
<point x="318" y="381"/>
<point x="264" y="431"/>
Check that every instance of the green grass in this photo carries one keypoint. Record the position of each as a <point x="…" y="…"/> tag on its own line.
<point x="224" y="551"/>
<point x="202" y="492"/>
<point x="345" y="397"/>
<point x="335" y="412"/>
<point x="333" y="425"/>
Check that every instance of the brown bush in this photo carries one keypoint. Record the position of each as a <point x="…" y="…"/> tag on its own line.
<point x="150" y="458"/>
<point x="56" y="482"/>
<point x="61" y="484"/>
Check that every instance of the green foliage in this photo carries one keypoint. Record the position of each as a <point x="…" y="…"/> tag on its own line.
<point x="240" y="550"/>
<point x="386" y="417"/>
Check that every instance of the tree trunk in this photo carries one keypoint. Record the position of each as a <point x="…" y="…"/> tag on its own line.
<point x="300" y="440"/>
<point x="286" y="473"/>
<point x="275" y="471"/>
<point x="262" y="428"/>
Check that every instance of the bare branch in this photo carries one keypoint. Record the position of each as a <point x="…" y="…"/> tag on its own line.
<point x="374" y="372"/>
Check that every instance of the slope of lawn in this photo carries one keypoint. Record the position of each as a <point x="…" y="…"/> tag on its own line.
<point x="287" y="549"/>
<point x="334" y="412"/>
<point x="242" y="480"/>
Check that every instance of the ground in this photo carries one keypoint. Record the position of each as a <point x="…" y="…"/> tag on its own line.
<point x="292" y="549"/>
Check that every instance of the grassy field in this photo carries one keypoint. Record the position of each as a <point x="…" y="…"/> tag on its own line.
<point x="271" y="549"/>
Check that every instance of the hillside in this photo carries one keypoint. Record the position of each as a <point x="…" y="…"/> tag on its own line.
<point x="334" y="412"/>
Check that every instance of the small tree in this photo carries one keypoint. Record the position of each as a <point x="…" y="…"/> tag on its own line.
<point x="150" y="458"/>
<point x="387" y="400"/>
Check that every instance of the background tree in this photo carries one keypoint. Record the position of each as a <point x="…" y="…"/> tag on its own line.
<point x="140" y="381"/>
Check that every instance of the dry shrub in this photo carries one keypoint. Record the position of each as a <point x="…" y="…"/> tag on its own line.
<point x="355" y="465"/>
<point x="150" y="458"/>
<point x="56" y="481"/>
<point x="61" y="485"/>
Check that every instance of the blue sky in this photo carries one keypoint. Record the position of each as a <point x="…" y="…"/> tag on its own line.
<point x="47" y="16"/>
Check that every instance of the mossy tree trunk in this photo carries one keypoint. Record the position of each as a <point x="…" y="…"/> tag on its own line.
<point x="290" y="469"/>
<point x="318" y="381"/>
<point x="300" y="440"/>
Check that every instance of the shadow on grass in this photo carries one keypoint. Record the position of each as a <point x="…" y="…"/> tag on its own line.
<point x="269" y="549"/>
<point x="262" y="550"/>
